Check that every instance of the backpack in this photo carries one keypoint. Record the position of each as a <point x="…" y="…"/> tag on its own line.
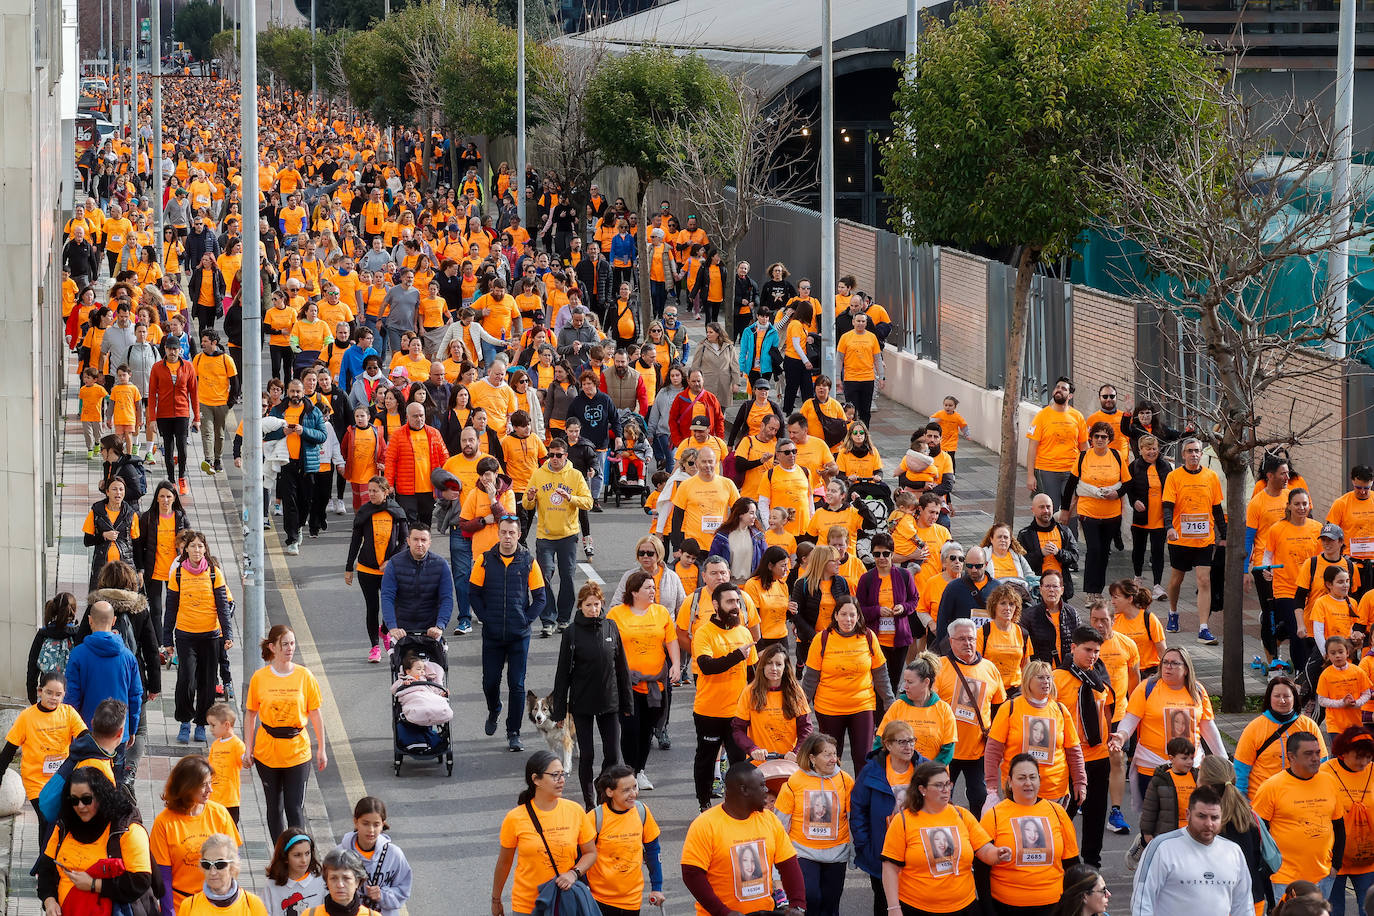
<point x="139" y="483"/>
<point x="599" y="815"/>
<point x="53" y="653"/>
<point x="148" y="904"/>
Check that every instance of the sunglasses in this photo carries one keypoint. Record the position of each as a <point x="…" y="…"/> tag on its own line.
<point x="645" y="553"/>
<point x="509" y="518"/>
<point x="558" y="454"/>
<point x="882" y="553"/>
<point x="975" y="565"/>
<point x="216" y="865"/>
<point x="787" y="451"/>
<point x="79" y="800"/>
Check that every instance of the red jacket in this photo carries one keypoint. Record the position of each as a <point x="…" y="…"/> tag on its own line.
<point x="168" y="399"/>
<point x="400" y="462"/>
<point x="680" y="416"/>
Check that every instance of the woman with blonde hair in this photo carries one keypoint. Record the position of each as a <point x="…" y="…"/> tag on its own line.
<point x="1238" y="824"/>
<point x="1038" y="724"/>
<point x="1005" y="555"/>
<point x="1003" y="640"/>
<point x="814" y="595"/>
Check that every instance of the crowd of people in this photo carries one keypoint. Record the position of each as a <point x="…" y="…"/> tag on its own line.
<point x="439" y="371"/>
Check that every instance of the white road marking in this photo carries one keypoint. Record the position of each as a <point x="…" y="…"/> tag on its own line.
<point x="591" y="574"/>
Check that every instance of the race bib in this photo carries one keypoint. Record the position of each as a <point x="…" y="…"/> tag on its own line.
<point x="52" y="763"/>
<point x="1196" y="526"/>
<point x="887" y="626"/>
<point x="709" y="523"/>
<point x="1362" y="547"/>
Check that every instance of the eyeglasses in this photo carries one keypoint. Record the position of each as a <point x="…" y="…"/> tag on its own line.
<point x="645" y="553"/>
<point x="1101" y="890"/>
<point x="955" y="559"/>
<point x="556" y="777"/>
<point x="905" y="742"/>
<point x="217" y="865"/>
<point x="882" y="553"/>
<point x="1171" y="664"/>
<point x="974" y="565"/>
<point x="77" y="801"/>
<point x="943" y="785"/>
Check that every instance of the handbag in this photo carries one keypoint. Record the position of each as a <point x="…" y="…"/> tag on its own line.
<point x="1269" y="850"/>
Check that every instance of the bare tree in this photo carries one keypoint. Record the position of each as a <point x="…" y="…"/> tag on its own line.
<point x="558" y="110"/>
<point x="430" y="34"/>
<point x="731" y="157"/>
<point x="1224" y="224"/>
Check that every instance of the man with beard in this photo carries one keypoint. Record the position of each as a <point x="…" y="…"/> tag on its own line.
<point x="304" y="433"/>
<point x="625" y="386"/>
<point x="1057" y="434"/>
<point x="414" y="452"/>
<point x="723" y="650"/>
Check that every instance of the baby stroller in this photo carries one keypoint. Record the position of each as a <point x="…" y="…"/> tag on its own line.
<point x="875" y="496"/>
<point x="432" y="742"/>
<point x="625" y="477"/>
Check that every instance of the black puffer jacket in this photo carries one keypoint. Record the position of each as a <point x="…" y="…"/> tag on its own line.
<point x="1046" y="644"/>
<point x="592" y="677"/>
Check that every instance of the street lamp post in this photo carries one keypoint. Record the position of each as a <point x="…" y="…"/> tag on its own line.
<point x="313" y="89"/>
<point x="1338" y="261"/>
<point x="254" y="616"/>
<point x="155" y="69"/>
<point x="133" y="80"/>
<point x="520" y="153"/>
<point x="827" y="290"/>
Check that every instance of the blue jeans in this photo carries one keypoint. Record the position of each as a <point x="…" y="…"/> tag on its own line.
<point x="393" y="338"/>
<point x="1324" y="885"/>
<point x="663" y="453"/>
<point x="598" y="481"/>
<point x="824" y="885"/>
<point x="460" y="558"/>
<point x="1361" y="883"/>
<point x="561" y="553"/>
<point x="490" y="351"/>
<point x="378" y="336"/>
<point x="512" y="653"/>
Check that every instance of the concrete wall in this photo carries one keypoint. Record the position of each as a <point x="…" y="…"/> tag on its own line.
<point x="31" y="164"/>
<point x="1294" y="404"/>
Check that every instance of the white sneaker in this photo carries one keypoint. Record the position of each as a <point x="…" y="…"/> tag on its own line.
<point x="339" y="507"/>
<point x="293" y="549"/>
<point x="1159" y="593"/>
<point x="642" y="781"/>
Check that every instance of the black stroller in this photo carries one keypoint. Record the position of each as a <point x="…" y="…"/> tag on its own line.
<point x="410" y="739"/>
<point x="874" y="496"/>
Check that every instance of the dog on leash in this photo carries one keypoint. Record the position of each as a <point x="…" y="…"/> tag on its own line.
<point x="560" y="736"/>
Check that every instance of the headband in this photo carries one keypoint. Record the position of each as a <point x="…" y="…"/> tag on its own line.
<point x="296" y="839"/>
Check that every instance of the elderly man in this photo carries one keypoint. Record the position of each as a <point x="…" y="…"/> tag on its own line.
<point x="412" y="455"/>
<point x="971" y="685"/>
<point x="493" y="394"/>
<point x="701" y="503"/>
<point x="79" y="258"/>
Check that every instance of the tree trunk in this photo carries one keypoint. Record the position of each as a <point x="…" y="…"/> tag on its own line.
<point x="1008" y="477"/>
<point x="426" y="163"/>
<point x="1233" y="603"/>
<point x="727" y="267"/>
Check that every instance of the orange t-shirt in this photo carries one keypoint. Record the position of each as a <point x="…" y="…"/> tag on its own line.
<point x="717" y="695"/>
<point x="846" y="665"/>
<point x="738" y="857"/>
<point x="1060" y="435"/>
<point x="936" y="856"/>
<point x="645" y="638"/>
<point x="1040" y="837"/>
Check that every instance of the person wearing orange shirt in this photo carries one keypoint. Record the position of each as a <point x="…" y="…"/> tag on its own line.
<point x="379" y="532"/>
<point x="1056" y="436"/>
<point x="971" y="685"/>
<point x="861" y="367"/>
<point x="846" y="678"/>
<point x="1040" y="834"/>
<point x="1288" y="545"/>
<point x="1354" y="513"/>
<point x="1301" y="806"/>
<point x="412" y="454"/>
<point x="1094" y="491"/>
<point x="722" y="649"/>
<point x="159" y="528"/>
<point x="733" y="849"/>
<point x="1195" y="523"/>
<point x="1145" y="494"/>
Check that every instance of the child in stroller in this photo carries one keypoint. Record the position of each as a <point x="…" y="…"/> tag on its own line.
<point x="420" y="712"/>
<point x="420" y="688"/>
<point x="626" y="466"/>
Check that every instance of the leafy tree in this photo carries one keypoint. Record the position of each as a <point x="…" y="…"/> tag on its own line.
<point x="224" y="47"/>
<point x="477" y="77"/>
<point x="196" y="23"/>
<point x="1004" y="111"/>
<point x="557" y="112"/>
<point x="541" y="16"/>
<point x="630" y="99"/>
<point x="372" y="66"/>
<point x="286" y="54"/>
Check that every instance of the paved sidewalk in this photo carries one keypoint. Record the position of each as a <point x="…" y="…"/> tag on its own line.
<point x="210" y="508"/>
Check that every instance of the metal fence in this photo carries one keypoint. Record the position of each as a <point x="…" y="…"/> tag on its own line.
<point x="1049" y="334"/>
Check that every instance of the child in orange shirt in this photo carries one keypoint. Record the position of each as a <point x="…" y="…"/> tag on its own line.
<point x="1342" y="688"/>
<point x="93" y="397"/>
<point x="226" y="758"/>
<point x="777" y="534"/>
<point x="952" y="426"/>
<point x="1165" y="805"/>
<point x="127" y="414"/>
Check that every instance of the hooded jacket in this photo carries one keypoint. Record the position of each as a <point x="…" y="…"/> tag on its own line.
<point x="388" y="869"/>
<point x="134" y="625"/>
<point x="102" y="668"/>
<point x="312" y="433"/>
<point x="592" y="677"/>
<point x="362" y="548"/>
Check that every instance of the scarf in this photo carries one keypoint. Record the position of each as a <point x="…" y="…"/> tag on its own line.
<point x="332" y="908"/>
<point x="225" y="899"/>
<point x="193" y="568"/>
<point x="1090" y="682"/>
<point x="860" y="451"/>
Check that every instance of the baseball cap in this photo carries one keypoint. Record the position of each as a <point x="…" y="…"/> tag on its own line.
<point x="763" y="384"/>
<point x="400" y="372"/>
<point x="701" y="421"/>
<point x="452" y="227"/>
<point x="1332" y="531"/>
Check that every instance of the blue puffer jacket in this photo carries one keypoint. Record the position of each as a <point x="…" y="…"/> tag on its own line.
<point x="426" y="587"/>
<point x="624" y="248"/>
<point x="505" y="603"/>
<point x="870" y="804"/>
<point x="747" y="346"/>
<point x="720" y="545"/>
<point x="312" y="433"/>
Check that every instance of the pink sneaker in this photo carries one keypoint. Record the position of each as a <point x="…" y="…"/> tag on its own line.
<point x="386" y="640"/>
<point x="375" y="656"/>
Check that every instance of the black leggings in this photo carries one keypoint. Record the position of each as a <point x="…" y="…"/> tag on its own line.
<point x="609" y="725"/>
<point x="284" y="791"/>
<point x="1264" y="590"/>
<point x="173" y="431"/>
<point x="637" y="735"/>
<point x="319" y="484"/>
<point x="797" y="378"/>
<point x="712" y="732"/>
<point x="1098" y="534"/>
<point x="371" y="587"/>
<point x="282" y="358"/>
<point x="972" y="771"/>
<point x="197" y="668"/>
<point x="153" y="589"/>
<point x="1154" y="538"/>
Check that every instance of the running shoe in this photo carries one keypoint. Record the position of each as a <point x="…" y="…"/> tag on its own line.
<point x="375" y="655"/>
<point x="1257" y="663"/>
<point x="1159" y="593"/>
<point x="182" y="486"/>
<point x="200" y="734"/>
<point x="1117" y="821"/>
<point x="665" y="743"/>
<point x="642" y="782"/>
<point x="588" y="548"/>
<point x="292" y="549"/>
<point x="1204" y="636"/>
<point x="1172" y="625"/>
<point x="386" y="639"/>
<point x="515" y="744"/>
<point x="492" y="717"/>
<point x="1133" y="854"/>
<point x="184" y="733"/>
<point x="546" y="631"/>
<point x="463" y="628"/>
<point x="207" y="467"/>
